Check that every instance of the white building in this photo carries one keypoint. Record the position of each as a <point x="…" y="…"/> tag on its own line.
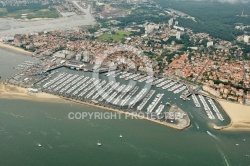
<point x="170" y="22"/>
<point x="150" y="28"/>
<point x="193" y="48"/>
<point x="79" y="57"/>
<point x="86" y="56"/>
<point x="178" y="28"/>
<point x="178" y="35"/>
<point x="63" y="61"/>
<point x="210" y="44"/>
<point x="24" y="15"/>
<point x="246" y="39"/>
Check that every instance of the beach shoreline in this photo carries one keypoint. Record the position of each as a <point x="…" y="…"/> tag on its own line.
<point x="14" y="92"/>
<point x="127" y="113"/>
<point x="13" y="48"/>
<point x="239" y="116"/>
<point x="8" y="91"/>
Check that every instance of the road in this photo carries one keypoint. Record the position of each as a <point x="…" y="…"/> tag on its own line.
<point x="202" y="70"/>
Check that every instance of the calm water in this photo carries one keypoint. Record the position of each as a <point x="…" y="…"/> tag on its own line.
<point x="25" y="124"/>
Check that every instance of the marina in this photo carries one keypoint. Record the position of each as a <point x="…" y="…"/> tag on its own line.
<point x="42" y="116"/>
<point x="129" y="92"/>
<point x="155" y="102"/>
<point x="25" y="65"/>
<point x="215" y="109"/>
<point x="196" y="102"/>
<point x="159" y="109"/>
<point x="109" y="93"/>
<point x="145" y="100"/>
<point x="206" y="108"/>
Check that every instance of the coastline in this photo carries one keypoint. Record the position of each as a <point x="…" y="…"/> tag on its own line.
<point x="13" y="48"/>
<point x="14" y="92"/>
<point x="127" y="113"/>
<point x="239" y="115"/>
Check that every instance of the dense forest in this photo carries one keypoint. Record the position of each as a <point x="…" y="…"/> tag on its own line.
<point x="217" y="19"/>
<point x="143" y="14"/>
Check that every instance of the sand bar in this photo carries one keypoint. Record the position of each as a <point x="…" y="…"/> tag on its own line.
<point x="13" y="92"/>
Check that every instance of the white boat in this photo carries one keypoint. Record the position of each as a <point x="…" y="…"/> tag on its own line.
<point x="39" y="145"/>
<point x="120" y="136"/>
<point x="98" y="143"/>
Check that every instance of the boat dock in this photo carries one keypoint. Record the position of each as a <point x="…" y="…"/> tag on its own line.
<point x="206" y="107"/>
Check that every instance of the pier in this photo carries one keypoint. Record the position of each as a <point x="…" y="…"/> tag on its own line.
<point x="177" y="117"/>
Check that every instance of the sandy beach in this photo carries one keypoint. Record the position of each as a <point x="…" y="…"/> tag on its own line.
<point x="16" y="49"/>
<point x="239" y="115"/>
<point x="13" y="92"/>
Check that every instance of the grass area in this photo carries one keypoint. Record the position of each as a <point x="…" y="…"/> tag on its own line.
<point x="42" y="13"/>
<point x="17" y="14"/>
<point x="117" y="36"/>
<point x="3" y="11"/>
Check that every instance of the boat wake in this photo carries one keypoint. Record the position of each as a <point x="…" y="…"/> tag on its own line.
<point x="224" y="157"/>
<point x="197" y="126"/>
<point x="191" y="115"/>
<point x="92" y="124"/>
<point x="212" y="135"/>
